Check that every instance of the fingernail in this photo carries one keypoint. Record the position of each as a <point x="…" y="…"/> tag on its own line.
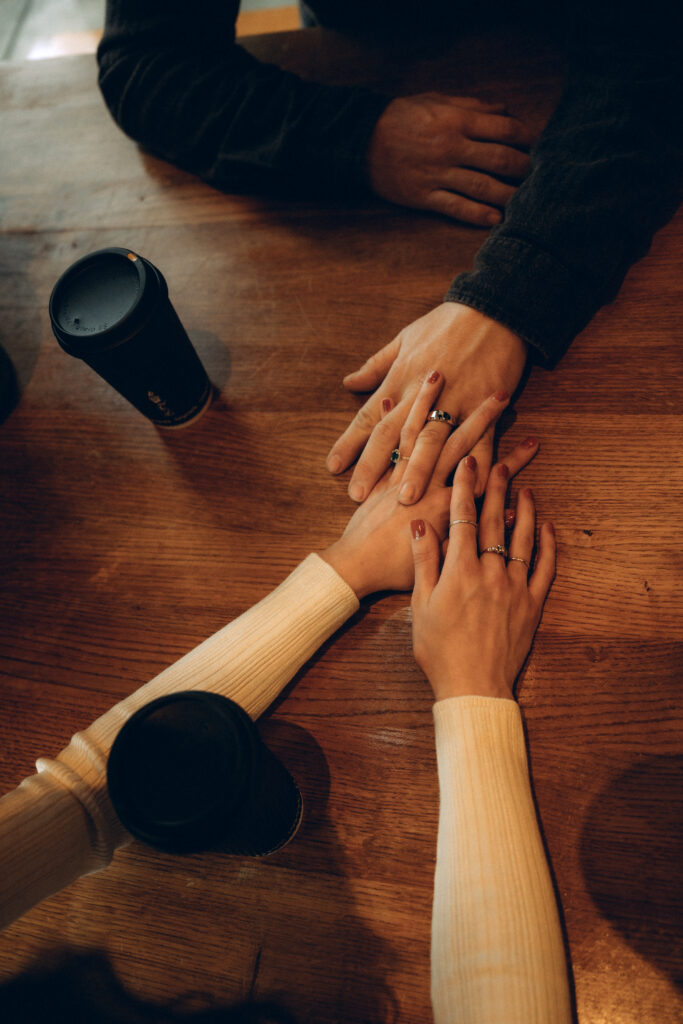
<point x="334" y="463"/>
<point x="501" y="396"/>
<point x="407" y="493"/>
<point x="471" y="463"/>
<point x="356" y="492"/>
<point x="503" y="471"/>
<point x="530" y="442"/>
<point x="417" y="528"/>
<point x="433" y="377"/>
<point x="529" y="493"/>
<point x="386" y="405"/>
<point x="509" y="517"/>
<point x="551" y="528"/>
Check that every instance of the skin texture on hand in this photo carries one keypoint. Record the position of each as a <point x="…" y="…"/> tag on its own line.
<point x="475" y="355"/>
<point x="474" y="619"/>
<point x="374" y="552"/>
<point x="448" y="154"/>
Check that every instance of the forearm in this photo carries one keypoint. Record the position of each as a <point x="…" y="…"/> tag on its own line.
<point x="607" y="173"/>
<point x="60" y="824"/>
<point x="174" y="80"/>
<point x="497" y="951"/>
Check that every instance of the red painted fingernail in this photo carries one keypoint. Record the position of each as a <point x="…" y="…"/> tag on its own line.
<point x="417" y="528"/>
<point x="551" y="528"/>
<point x="530" y="442"/>
<point x="386" y="405"/>
<point x="471" y="462"/>
<point x="503" y="471"/>
<point x="529" y="493"/>
<point x="509" y="516"/>
<point x="501" y="396"/>
<point x="433" y="376"/>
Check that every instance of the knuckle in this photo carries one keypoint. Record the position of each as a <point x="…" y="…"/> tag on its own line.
<point x="365" y="419"/>
<point x="384" y="431"/>
<point x="476" y="186"/>
<point x="433" y="435"/>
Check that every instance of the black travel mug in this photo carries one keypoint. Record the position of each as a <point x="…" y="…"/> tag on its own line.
<point x="189" y="772"/>
<point x="111" y="309"/>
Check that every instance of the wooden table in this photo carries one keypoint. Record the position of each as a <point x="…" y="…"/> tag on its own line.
<point x="123" y="547"/>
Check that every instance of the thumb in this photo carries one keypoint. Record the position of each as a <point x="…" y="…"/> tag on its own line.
<point x="374" y="370"/>
<point x="425" y="546"/>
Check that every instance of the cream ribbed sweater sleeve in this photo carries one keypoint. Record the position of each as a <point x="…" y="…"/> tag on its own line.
<point x="59" y="824"/>
<point x="497" y="950"/>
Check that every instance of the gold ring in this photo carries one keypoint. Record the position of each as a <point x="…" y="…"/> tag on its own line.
<point x="514" y="558"/>
<point x="396" y="455"/>
<point x="440" y="415"/>
<point x="496" y="549"/>
<point x="469" y="522"/>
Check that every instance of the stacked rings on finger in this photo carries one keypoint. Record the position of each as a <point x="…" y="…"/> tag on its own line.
<point x="468" y="522"/>
<point x="496" y="549"/>
<point x="396" y="455"/>
<point x="440" y="416"/>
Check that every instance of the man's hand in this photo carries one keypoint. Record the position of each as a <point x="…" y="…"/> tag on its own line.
<point x="448" y="154"/>
<point x="475" y="355"/>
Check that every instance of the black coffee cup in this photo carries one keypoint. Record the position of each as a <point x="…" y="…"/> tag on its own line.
<point x="189" y="772"/>
<point x="111" y="309"/>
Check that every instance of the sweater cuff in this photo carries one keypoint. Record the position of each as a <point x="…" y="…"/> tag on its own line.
<point x="528" y="290"/>
<point x="483" y="728"/>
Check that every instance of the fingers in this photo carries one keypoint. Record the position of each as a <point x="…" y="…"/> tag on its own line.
<point x="414" y="427"/>
<point x="465" y="437"/>
<point x="483" y="453"/>
<point x="491" y="525"/>
<point x="522" y="540"/>
<point x="425" y="546"/>
<point x="374" y="370"/>
<point x="544" y="570"/>
<point x="462" y="537"/>
<point x="450" y="204"/>
<point x="521" y="455"/>
<point x="385" y="436"/>
<point x="490" y="127"/>
<point x="503" y="161"/>
<point x="483" y="188"/>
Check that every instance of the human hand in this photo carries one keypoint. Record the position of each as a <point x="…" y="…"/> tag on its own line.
<point x="374" y="551"/>
<point x="474" y="620"/>
<point x="476" y="355"/>
<point x="448" y="154"/>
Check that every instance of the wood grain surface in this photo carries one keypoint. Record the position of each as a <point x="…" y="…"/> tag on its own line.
<point x="122" y="547"/>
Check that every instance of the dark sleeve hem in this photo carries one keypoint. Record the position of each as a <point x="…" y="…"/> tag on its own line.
<point x="528" y="290"/>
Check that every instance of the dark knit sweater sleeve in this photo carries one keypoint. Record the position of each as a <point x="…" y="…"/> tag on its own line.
<point x="606" y="174"/>
<point x="175" y="81"/>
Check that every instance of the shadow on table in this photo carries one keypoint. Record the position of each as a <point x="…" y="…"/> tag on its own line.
<point x="631" y="855"/>
<point x="299" y="951"/>
<point x="82" y="987"/>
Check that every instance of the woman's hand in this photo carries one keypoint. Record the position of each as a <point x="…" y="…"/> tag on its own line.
<point x="374" y="551"/>
<point x="474" y="620"/>
<point x="477" y="357"/>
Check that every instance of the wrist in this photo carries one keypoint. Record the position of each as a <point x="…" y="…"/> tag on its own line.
<point x="347" y="565"/>
<point x="458" y="686"/>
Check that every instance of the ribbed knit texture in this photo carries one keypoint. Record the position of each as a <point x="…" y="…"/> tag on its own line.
<point x="60" y="824"/>
<point x="497" y="952"/>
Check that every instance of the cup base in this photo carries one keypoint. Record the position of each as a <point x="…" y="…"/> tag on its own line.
<point x="201" y="409"/>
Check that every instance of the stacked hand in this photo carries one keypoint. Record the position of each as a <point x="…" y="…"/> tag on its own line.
<point x="477" y="356"/>
<point x="474" y="619"/>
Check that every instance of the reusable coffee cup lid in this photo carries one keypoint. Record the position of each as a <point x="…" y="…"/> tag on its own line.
<point x="177" y="770"/>
<point x="103" y="299"/>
